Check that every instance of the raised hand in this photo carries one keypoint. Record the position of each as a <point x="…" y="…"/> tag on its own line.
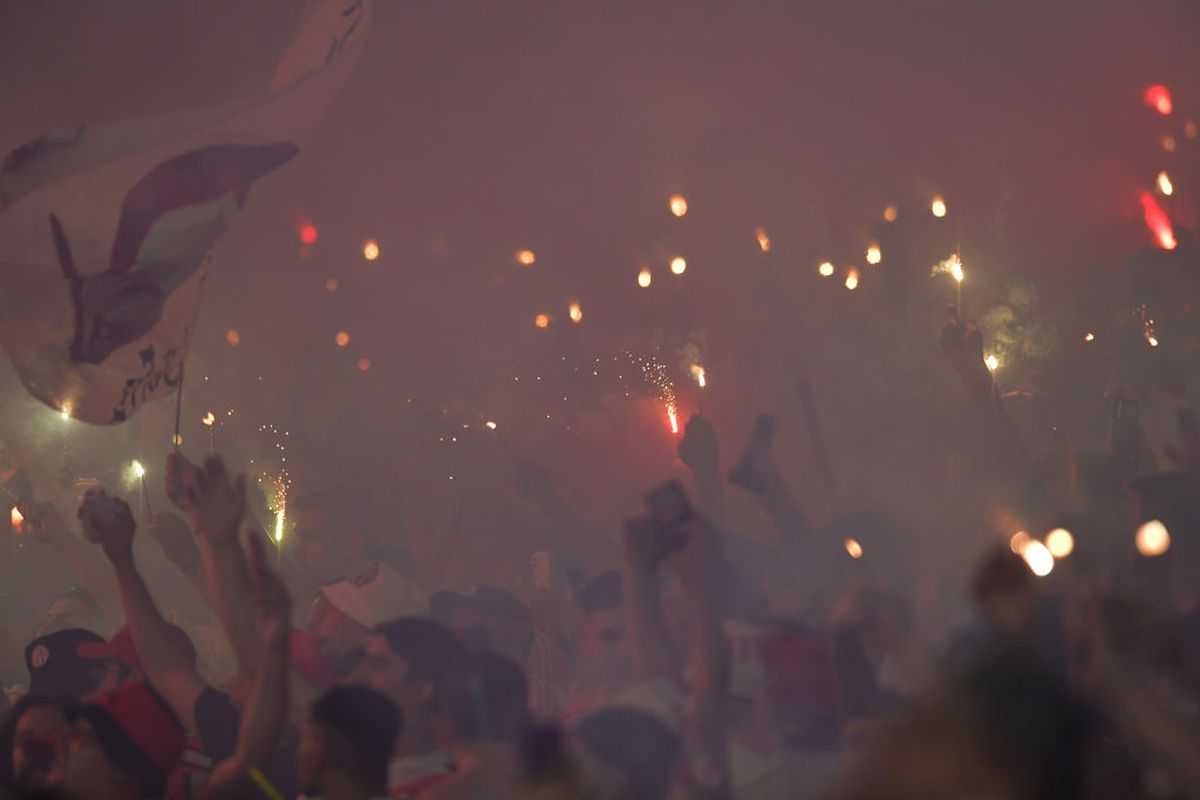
<point x="268" y="596"/>
<point x="962" y="344"/>
<point x="176" y="540"/>
<point x="218" y="503"/>
<point x="108" y="521"/>
<point x="179" y="477"/>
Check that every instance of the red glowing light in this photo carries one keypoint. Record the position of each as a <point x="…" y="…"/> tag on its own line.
<point x="308" y="234"/>
<point x="1158" y="98"/>
<point x="1158" y="222"/>
<point x="673" y="418"/>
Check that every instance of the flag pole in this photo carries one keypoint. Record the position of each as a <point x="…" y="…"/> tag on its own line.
<point x="177" y="439"/>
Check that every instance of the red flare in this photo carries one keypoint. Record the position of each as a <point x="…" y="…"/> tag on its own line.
<point x="1158" y="222"/>
<point x="308" y="234"/>
<point x="1158" y="98"/>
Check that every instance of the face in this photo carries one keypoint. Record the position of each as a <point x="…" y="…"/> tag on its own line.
<point x="322" y="551"/>
<point x="81" y="764"/>
<point x="35" y="741"/>
<point x="334" y="627"/>
<point x="385" y="672"/>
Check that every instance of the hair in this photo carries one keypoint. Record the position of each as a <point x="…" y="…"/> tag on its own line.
<point x="495" y="601"/>
<point x="484" y="697"/>
<point x="426" y="646"/>
<point x="602" y="592"/>
<point x="361" y="727"/>
<point x="999" y="572"/>
<point x="637" y="744"/>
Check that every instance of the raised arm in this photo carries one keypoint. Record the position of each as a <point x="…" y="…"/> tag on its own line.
<point x="698" y="449"/>
<point x="643" y="552"/>
<point x="168" y="664"/>
<point x="266" y="709"/>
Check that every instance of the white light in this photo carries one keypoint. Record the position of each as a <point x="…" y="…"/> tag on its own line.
<point x="938" y="206"/>
<point x="1038" y="557"/>
<point x="1152" y="538"/>
<point x="826" y="269"/>
<point x="1060" y="542"/>
<point x="644" y="278"/>
<point x="138" y="470"/>
<point x="992" y="362"/>
<point x="678" y="265"/>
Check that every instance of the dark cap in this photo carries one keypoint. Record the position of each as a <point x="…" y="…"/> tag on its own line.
<point x="55" y="666"/>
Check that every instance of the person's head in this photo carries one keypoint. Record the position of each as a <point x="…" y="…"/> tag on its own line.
<point x="625" y="753"/>
<point x="348" y="738"/>
<point x="117" y="659"/>
<point x="346" y="611"/>
<point x="58" y="668"/>
<point x="332" y="626"/>
<point x="603" y="653"/>
<point x="1003" y="590"/>
<point x="29" y="739"/>
<point x="505" y="618"/>
<point x="403" y="660"/>
<point x="126" y="740"/>
<point x="335" y="533"/>
<point x="482" y="697"/>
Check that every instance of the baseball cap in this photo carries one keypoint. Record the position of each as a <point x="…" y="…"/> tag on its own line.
<point x="379" y="595"/>
<point x="120" y="648"/>
<point x="137" y="731"/>
<point x="56" y="667"/>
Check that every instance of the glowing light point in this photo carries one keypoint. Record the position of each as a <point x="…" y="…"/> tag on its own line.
<point x="1153" y="341"/>
<point x="678" y="265"/>
<point x="673" y="419"/>
<point x="1019" y="541"/>
<point x="364" y="365"/>
<point x="644" y="278"/>
<point x="1164" y="184"/>
<point x="826" y="269"/>
<point x="209" y="419"/>
<point x="575" y="312"/>
<point x="279" y="525"/>
<point x="874" y="254"/>
<point x="17" y="519"/>
<point x="1038" y="557"/>
<point x="956" y="268"/>
<point x="1169" y="144"/>
<point x="1158" y="98"/>
<point x="138" y="470"/>
<point x="938" y="206"/>
<point x="370" y="249"/>
<point x="853" y="548"/>
<point x="526" y="258"/>
<point x="764" y="241"/>
<point x="992" y="362"/>
<point x="65" y="412"/>
<point x="678" y="205"/>
<point x="233" y="337"/>
<point x="541" y="320"/>
<point x="308" y="234"/>
<point x="1089" y="337"/>
<point x="1158" y="222"/>
<point x="1060" y="542"/>
<point x="1152" y="539"/>
<point x="331" y="285"/>
<point x="699" y="375"/>
<point x="490" y="425"/>
<point x="890" y="212"/>
<point x="852" y="279"/>
<point x="1189" y="129"/>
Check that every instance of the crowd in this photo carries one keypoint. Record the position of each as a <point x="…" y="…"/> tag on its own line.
<point x="680" y="659"/>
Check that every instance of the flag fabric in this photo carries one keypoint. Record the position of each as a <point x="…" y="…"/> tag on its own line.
<point x="106" y="232"/>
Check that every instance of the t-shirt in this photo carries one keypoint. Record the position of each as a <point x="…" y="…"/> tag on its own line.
<point x="408" y="775"/>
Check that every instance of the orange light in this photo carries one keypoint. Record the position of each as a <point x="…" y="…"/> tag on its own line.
<point x="853" y="548"/>
<point x="938" y="206"/>
<point x="890" y="212"/>
<point x="1158" y="98"/>
<point x="1152" y="539"/>
<point x="18" y="519"/>
<point x="678" y="205"/>
<point x="1164" y="184"/>
<point x="233" y="337"/>
<point x="764" y="241"/>
<point x="370" y="250"/>
<point x="673" y="419"/>
<point x="1060" y="542"/>
<point x="826" y="269"/>
<point x="1089" y="337"/>
<point x="541" y="320"/>
<point x="852" y="279"/>
<point x="1158" y="222"/>
<point x="526" y="258"/>
<point x="209" y="419"/>
<point x="1168" y="143"/>
<point x="678" y="265"/>
<point x="331" y="285"/>
<point x="1189" y="129"/>
<point x="342" y="338"/>
<point x="874" y="254"/>
<point x="575" y="312"/>
<point x="364" y="364"/>
<point x="1019" y="541"/>
<point x="644" y="278"/>
<point x="308" y="234"/>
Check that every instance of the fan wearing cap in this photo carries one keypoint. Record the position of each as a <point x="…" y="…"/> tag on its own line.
<point x="121" y="746"/>
<point x="57" y="667"/>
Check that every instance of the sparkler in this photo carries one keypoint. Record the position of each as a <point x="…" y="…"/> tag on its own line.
<point x="938" y="206"/>
<point x="1158" y="98"/>
<point x="678" y="265"/>
<point x="699" y="376"/>
<point x="275" y="481"/>
<point x="673" y="417"/>
<point x="17" y="519"/>
<point x="1089" y="337"/>
<point x="953" y="267"/>
<point x="209" y="420"/>
<point x="370" y="249"/>
<point x="1038" y="557"/>
<point x="65" y="413"/>
<point x="308" y="234"/>
<point x="853" y="548"/>
<point x="679" y="205"/>
<point x="1164" y="184"/>
<point x="826" y="270"/>
<point x="654" y="372"/>
<point x="1152" y="539"/>
<point x="874" y="254"/>
<point x="139" y="472"/>
<point x="644" y="278"/>
<point x="1018" y="542"/>
<point x="992" y="362"/>
<point x="764" y="241"/>
<point x="1060" y="542"/>
<point x="575" y="312"/>
<point x="852" y="279"/>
